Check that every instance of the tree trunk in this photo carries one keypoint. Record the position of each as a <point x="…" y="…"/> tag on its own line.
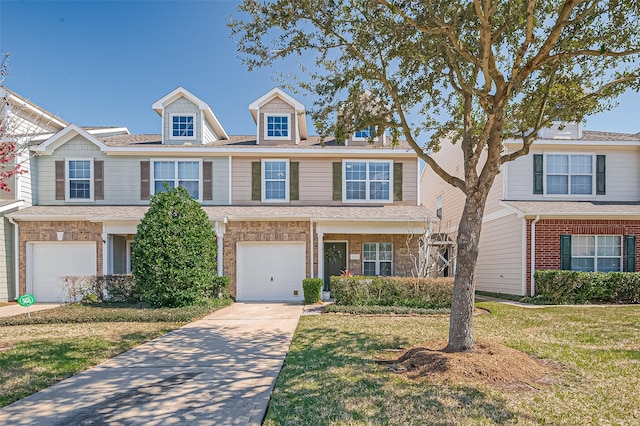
<point x="462" y="304"/>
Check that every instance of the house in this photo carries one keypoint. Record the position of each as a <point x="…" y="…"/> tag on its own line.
<point x="284" y="205"/>
<point x="572" y="203"/>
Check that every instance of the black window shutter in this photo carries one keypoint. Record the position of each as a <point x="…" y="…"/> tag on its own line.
<point x="145" y="176"/>
<point x="397" y="181"/>
<point x="601" y="175"/>
<point x="537" y="174"/>
<point x="256" y="181"/>
<point x="60" y="177"/>
<point x="337" y="181"/>
<point x="565" y="252"/>
<point x="629" y="253"/>
<point x="207" y="180"/>
<point x="294" y="181"/>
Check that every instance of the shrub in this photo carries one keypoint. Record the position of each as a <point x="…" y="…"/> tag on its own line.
<point x="383" y="310"/>
<point x="174" y="255"/>
<point x="120" y="288"/>
<point x="81" y="288"/>
<point x="427" y="293"/>
<point x="312" y="289"/>
<point x="573" y="287"/>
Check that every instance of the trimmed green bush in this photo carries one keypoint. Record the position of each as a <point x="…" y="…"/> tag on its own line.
<point x="573" y="287"/>
<point x="120" y="288"/>
<point x="174" y="255"/>
<point x="426" y="293"/>
<point x="312" y="289"/>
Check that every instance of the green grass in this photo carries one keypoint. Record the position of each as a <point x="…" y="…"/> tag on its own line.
<point x="330" y="376"/>
<point x="58" y="343"/>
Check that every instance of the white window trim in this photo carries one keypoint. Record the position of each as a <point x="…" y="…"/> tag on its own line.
<point x="377" y="261"/>
<point x="183" y="138"/>
<point x="152" y="180"/>
<point x="595" y="257"/>
<point x="569" y="154"/>
<point x="286" y="184"/>
<point x="266" y="127"/>
<point x="367" y="200"/>
<point x="67" y="181"/>
<point x="358" y="138"/>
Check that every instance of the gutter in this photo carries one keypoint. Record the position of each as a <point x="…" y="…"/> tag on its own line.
<point x="533" y="254"/>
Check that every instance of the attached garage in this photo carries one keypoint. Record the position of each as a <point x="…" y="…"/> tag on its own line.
<point x="48" y="261"/>
<point x="270" y="271"/>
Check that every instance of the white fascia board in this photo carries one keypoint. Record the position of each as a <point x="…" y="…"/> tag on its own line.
<point x="175" y="94"/>
<point x="122" y="130"/>
<point x="259" y="150"/>
<point x="49" y="217"/>
<point x="574" y="142"/>
<point x="566" y="215"/>
<point x="64" y="136"/>
<point x="515" y="210"/>
<point x="215" y="124"/>
<point x="18" y="100"/>
<point x="11" y="206"/>
<point x="381" y="227"/>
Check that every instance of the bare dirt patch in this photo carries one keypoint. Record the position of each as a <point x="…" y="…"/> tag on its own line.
<point x="490" y="364"/>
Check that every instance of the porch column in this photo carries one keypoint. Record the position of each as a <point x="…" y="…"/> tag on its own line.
<point x="320" y="254"/>
<point x="220" y="229"/>
<point x="105" y="250"/>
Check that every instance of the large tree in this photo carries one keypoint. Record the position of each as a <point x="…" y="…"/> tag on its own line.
<point x="474" y="72"/>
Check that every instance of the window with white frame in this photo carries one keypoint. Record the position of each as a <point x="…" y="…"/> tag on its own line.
<point x="275" y="180"/>
<point x="79" y="180"/>
<point x="277" y="126"/>
<point x="570" y="174"/>
<point x="377" y="259"/>
<point x="367" y="180"/>
<point x="365" y="134"/>
<point x="177" y="173"/>
<point x="596" y="253"/>
<point x="182" y="126"/>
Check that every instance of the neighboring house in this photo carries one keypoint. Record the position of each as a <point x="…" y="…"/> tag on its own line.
<point x="284" y="205"/>
<point x="572" y="203"/>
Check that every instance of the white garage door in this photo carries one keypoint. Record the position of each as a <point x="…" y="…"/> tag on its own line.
<point x="270" y="271"/>
<point x="48" y="261"/>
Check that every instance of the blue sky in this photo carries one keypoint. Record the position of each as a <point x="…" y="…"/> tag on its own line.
<point x="106" y="62"/>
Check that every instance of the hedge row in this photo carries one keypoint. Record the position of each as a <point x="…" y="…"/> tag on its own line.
<point x="573" y="287"/>
<point x="427" y="293"/>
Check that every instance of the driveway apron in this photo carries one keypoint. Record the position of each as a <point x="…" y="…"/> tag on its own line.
<point x="216" y="371"/>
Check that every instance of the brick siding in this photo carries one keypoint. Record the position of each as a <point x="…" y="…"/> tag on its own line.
<point x="548" y="233"/>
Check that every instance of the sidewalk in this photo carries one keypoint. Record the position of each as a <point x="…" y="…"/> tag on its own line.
<point x="15" y="309"/>
<point x="216" y="371"/>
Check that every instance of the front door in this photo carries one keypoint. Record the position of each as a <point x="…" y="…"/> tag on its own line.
<point x="335" y="261"/>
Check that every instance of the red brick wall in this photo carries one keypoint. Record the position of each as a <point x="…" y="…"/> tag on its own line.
<point x="548" y="233"/>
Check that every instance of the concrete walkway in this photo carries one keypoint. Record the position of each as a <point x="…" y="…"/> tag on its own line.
<point x="216" y="371"/>
<point x="15" y="309"/>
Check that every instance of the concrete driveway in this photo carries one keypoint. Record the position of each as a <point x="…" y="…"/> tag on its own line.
<point x="216" y="371"/>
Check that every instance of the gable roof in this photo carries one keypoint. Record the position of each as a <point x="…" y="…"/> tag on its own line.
<point x="276" y="92"/>
<point x="33" y="112"/>
<point x="180" y="92"/>
<point x="64" y="136"/>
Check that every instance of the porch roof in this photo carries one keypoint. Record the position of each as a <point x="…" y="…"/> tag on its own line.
<point x="374" y="213"/>
<point x="599" y="209"/>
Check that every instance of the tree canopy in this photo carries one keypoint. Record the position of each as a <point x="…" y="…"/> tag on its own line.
<point x="475" y="72"/>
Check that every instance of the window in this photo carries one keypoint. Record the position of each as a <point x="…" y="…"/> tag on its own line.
<point x="277" y="126"/>
<point x="275" y="183"/>
<point x="79" y="180"/>
<point x="569" y="174"/>
<point x="177" y="173"/>
<point x="377" y="259"/>
<point x="367" y="181"/>
<point x="439" y="206"/>
<point x="591" y="253"/>
<point x="366" y="133"/>
<point x="182" y="127"/>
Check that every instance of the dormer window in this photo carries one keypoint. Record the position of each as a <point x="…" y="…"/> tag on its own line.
<point x="277" y="127"/>
<point x="365" y="134"/>
<point x="182" y="127"/>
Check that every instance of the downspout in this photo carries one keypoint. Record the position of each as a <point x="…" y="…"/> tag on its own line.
<point x="311" y="240"/>
<point x="533" y="254"/>
<point x="16" y="255"/>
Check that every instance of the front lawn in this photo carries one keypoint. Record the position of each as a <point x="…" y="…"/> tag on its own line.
<point x="330" y="375"/>
<point x="58" y="343"/>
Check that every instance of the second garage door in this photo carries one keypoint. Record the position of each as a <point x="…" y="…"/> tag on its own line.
<point x="270" y="271"/>
<point x="48" y="261"/>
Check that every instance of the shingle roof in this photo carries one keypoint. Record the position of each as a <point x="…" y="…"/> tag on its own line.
<point x="132" y="213"/>
<point x="236" y="141"/>
<point x="591" y="135"/>
<point x="576" y="208"/>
